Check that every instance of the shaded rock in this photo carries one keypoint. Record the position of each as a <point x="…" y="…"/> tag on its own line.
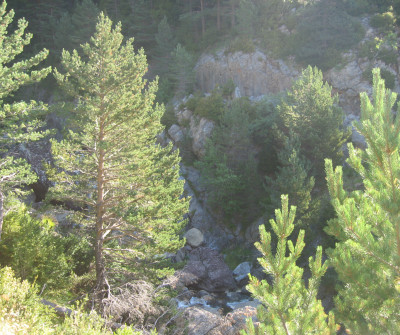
<point x="37" y="154"/>
<point x="252" y="233"/>
<point x="242" y="271"/>
<point x="356" y="138"/>
<point x="206" y="270"/>
<point x="194" y="237"/>
<point x="200" y="130"/>
<point x="176" y="133"/>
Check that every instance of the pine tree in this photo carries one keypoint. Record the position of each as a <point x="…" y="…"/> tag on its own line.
<point x="76" y="28"/>
<point x="110" y="165"/>
<point x="367" y="227"/>
<point x="17" y="120"/>
<point x="229" y="169"/>
<point x="312" y="112"/>
<point x="182" y="74"/>
<point x="288" y="306"/>
<point x="292" y="177"/>
<point x="162" y="59"/>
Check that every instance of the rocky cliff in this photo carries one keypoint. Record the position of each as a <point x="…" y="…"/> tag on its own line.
<point x="258" y="74"/>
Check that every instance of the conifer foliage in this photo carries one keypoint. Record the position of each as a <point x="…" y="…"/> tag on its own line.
<point x="288" y="306"/>
<point x="17" y="120"/>
<point x="110" y="164"/>
<point x="313" y="113"/>
<point x="367" y="227"/>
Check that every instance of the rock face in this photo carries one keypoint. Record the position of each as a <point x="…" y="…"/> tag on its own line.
<point x="215" y="236"/>
<point x="254" y="74"/>
<point x="199" y="321"/>
<point x="206" y="270"/>
<point x="198" y="129"/>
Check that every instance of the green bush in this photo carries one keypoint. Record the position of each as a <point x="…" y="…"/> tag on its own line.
<point x="277" y="43"/>
<point x="38" y="253"/>
<point x="388" y="56"/>
<point x="378" y="49"/>
<point x="384" y="22"/>
<point x="357" y="7"/>
<point x="229" y="168"/>
<point x="210" y="107"/>
<point x="228" y="88"/>
<point x="233" y="256"/>
<point x="169" y="117"/>
<point x="22" y="313"/>
<point x="241" y="44"/>
<point x="20" y="309"/>
<point x="386" y="75"/>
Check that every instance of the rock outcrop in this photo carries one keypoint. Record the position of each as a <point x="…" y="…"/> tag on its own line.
<point x="200" y="321"/>
<point x="254" y="74"/>
<point x="206" y="270"/>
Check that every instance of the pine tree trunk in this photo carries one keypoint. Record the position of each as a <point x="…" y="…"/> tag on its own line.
<point x="99" y="257"/>
<point x="218" y="15"/>
<point x="1" y="212"/>
<point x="233" y="14"/>
<point x="203" y="19"/>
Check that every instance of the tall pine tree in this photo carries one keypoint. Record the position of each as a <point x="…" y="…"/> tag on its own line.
<point x="17" y="119"/>
<point x="367" y="227"/>
<point x="110" y="164"/>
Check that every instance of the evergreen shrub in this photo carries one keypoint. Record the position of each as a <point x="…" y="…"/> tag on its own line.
<point x="241" y="44"/>
<point x="169" y="117"/>
<point x="38" y="253"/>
<point x="384" y="22"/>
<point x="20" y="309"/>
<point x="386" y="75"/>
<point x="388" y="56"/>
<point x="211" y="107"/>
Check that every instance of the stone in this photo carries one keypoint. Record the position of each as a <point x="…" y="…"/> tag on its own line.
<point x="200" y="131"/>
<point x="206" y="270"/>
<point x="237" y="94"/>
<point x="242" y="271"/>
<point x="357" y="139"/>
<point x="252" y="233"/>
<point x="176" y="133"/>
<point x="194" y="237"/>
<point x="198" y="320"/>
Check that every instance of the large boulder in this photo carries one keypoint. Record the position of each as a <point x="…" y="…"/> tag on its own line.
<point x="194" y="237"/>
<point x="206" y="270"/>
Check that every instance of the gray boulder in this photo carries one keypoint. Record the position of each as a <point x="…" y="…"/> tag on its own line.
<point x="194" y="237"/>
<point x="176" y="133"/>
<point x="206" y="270"/>
<point x="242" y="271"/>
